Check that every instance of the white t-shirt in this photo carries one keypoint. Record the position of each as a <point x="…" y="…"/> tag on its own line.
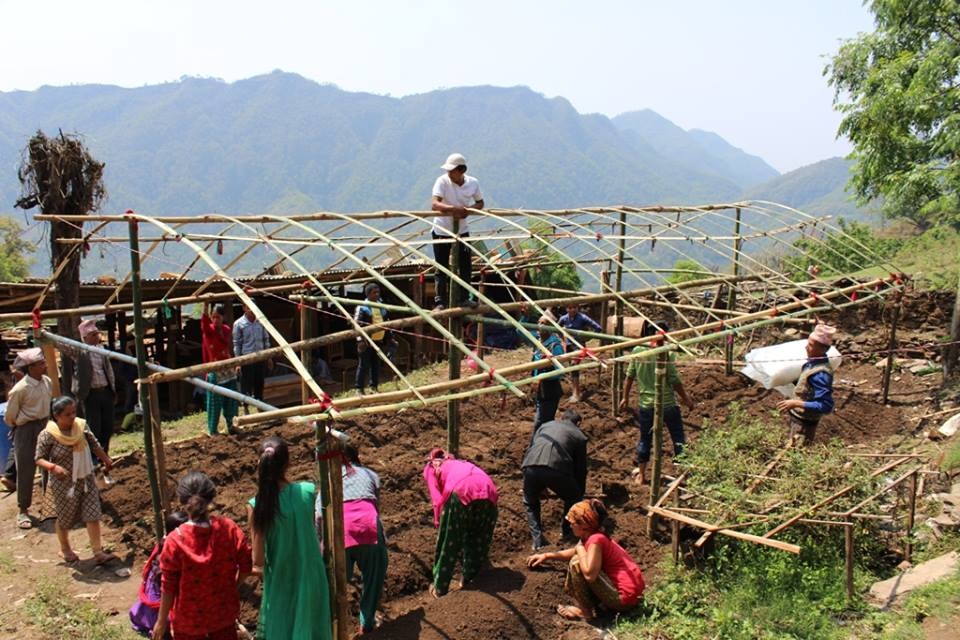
<point x="465" y="195"/>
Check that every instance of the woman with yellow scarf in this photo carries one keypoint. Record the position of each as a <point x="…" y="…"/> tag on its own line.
<point x="64" y="450"/>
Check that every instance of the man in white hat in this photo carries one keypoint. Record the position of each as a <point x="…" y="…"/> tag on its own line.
<point x="28" y="410"/>
<point x="813" y="395"/>
<point x="453" y="193"/>
<point x="94" y="386"/>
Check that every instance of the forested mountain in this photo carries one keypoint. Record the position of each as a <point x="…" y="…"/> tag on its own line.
<point x="817" y="189"/>
<point x="703" y="150"/>
<point x="281" y="143"/>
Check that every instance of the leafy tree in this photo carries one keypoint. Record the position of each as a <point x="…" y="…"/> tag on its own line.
<point x="560" y="273"/>
<point x="836" y="253"/>
<point x="683" y="267"/>
<point x="14" y="251"/>
<point x="899" y="91"/>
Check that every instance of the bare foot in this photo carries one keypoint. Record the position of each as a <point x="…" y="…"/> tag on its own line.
<point x="570" y="612"/>
<point x="69" y="556"/>
<point x="433" y="592"/>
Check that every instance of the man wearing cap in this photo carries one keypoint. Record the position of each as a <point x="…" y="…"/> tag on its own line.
<point x="813" y="395"/>
<point x="453" y="193"/>
<point x="28" y="410"/>
<point x="94" y="385"/>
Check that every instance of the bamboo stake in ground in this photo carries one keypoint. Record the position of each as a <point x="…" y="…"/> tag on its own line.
<point x="911" y="514"/>
<point x="154" y="394"/>
<point x="453" y="357"/>
<point x="142" y="372"/>
<point x="891" y="348"/>
<point x="658" y="393"/>
<point x="848" y="559"/>
<point x="732" y="294"/>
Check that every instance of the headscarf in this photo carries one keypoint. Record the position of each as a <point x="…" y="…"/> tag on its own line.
<point x="583" y="514"/>
<point x="27" y="357"/>
<point x="77" y="440"/>
<point x="823" y="333"/>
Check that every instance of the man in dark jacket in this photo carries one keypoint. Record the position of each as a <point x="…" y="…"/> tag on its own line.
<point x="556" y="460"/>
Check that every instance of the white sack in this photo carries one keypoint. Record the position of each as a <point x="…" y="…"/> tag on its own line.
<point x="778" y="366"/>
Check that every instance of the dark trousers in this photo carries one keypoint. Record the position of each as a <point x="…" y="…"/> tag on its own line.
<point x="674" y="422"/>
<point x="252" y="377"/>
<point x="98" y="407"/>
<point x="547" y="401"/>
<point x="535" y="481"/>
<point x="368" y="360"/>
<point x="441" y="253"/>
<point x="25" y="448"/>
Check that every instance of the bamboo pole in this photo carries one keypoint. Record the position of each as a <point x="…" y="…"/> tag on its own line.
<point x="848" y="559"/>
<point x="675" y="530"/>
<point x="339" y="553"/>
<point x="658" y="408"/>
<point x="480" y="319"/>
<point x="161" y="456"/>
<point x="53" y="372"/>
<point x="891" y="348"/>
<point x="122" y="357"/>
<point x="693" y="522"/>
<point x="604" y="314"/>
<point x="453" y="357"/>
<point x="617" y="374"/>
<point x="911" y="515"/>
<point x="437" y="315"/>
<point x="732" y="294"/>
<point x="304" y="354"/>
<point x="327" y="535"/>
<point x="142" y="372"/>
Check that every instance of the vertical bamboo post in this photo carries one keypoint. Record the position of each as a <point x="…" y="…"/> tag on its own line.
<point x="339" y="553"/>
<point x="453" y="356"/>
<point x="161" y="462"/>
<point x="891" y="348"/>
<point x="604" y="314"/>
<point x="617" y="374"/>
<point x="658" y="393"/>
<point x="848" y="558"/>
<point x="143" y="372"/>
<point x="50" y="358"/>
<point x="911" y="515"/>
<point x="482" y="287"/>
<point x="732" y="292"/>
<point x="675" y="529"/>
<point x="304" y="354"/>
<point x="327" y="511"/>
<point x="418" y="295"/>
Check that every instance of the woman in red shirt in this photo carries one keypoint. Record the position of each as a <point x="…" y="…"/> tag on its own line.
<point x="600" y="573"/>
<point x="217" y="340"/>
<point x="202" y="563"/>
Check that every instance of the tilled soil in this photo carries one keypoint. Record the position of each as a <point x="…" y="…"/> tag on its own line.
<point x="507" y="600"/>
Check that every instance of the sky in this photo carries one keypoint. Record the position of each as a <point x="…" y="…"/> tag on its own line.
<point x="748" y="70"/>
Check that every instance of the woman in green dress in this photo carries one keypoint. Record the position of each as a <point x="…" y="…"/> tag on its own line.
<point x="296" y="598"/>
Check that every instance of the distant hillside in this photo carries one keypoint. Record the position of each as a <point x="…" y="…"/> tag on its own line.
<point x="817" y="189"/>
<point x="703" y="150"/>
<point x="281" y="143"/>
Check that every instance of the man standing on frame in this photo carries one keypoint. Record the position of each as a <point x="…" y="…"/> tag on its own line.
<point x="453" y="193"/>
<point x="249" y="336"/>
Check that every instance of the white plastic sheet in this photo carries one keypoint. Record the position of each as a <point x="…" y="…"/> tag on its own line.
<point x="778" y="366"/>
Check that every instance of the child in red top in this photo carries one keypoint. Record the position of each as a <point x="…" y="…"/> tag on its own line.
<point x="600" y="573"/>
<point x="202" y="563"/>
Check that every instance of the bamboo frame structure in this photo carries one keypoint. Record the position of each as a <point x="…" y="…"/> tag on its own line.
<point x="623" y="256"/>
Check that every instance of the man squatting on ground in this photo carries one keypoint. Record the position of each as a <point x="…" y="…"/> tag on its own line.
<point x="813" y="395"/>
<point x="645" y="373"/>
<point x="453" y="193"/>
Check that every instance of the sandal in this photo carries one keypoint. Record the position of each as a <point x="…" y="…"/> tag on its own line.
<point x="69" y="557"/>
<point x="103" y="558"/>
<point x="24" y="521"/>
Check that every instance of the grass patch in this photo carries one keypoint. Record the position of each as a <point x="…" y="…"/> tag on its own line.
<point x="932" y="257"/>
<point x="52" y="610"/>
<point x="185" y="428"/>
<point x="7" y="564"/>
<point x="951" y="460"/>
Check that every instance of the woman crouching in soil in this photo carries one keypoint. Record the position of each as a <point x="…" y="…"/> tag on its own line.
<point x="465" y="510"/>
<point x="600" y="574"/>
<point x="64" y="450"/>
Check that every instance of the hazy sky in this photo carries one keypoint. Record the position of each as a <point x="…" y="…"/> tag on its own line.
<point x="749" y="70"/>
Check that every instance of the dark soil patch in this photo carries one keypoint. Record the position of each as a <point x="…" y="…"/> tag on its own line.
<point x="507" y="601"/>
